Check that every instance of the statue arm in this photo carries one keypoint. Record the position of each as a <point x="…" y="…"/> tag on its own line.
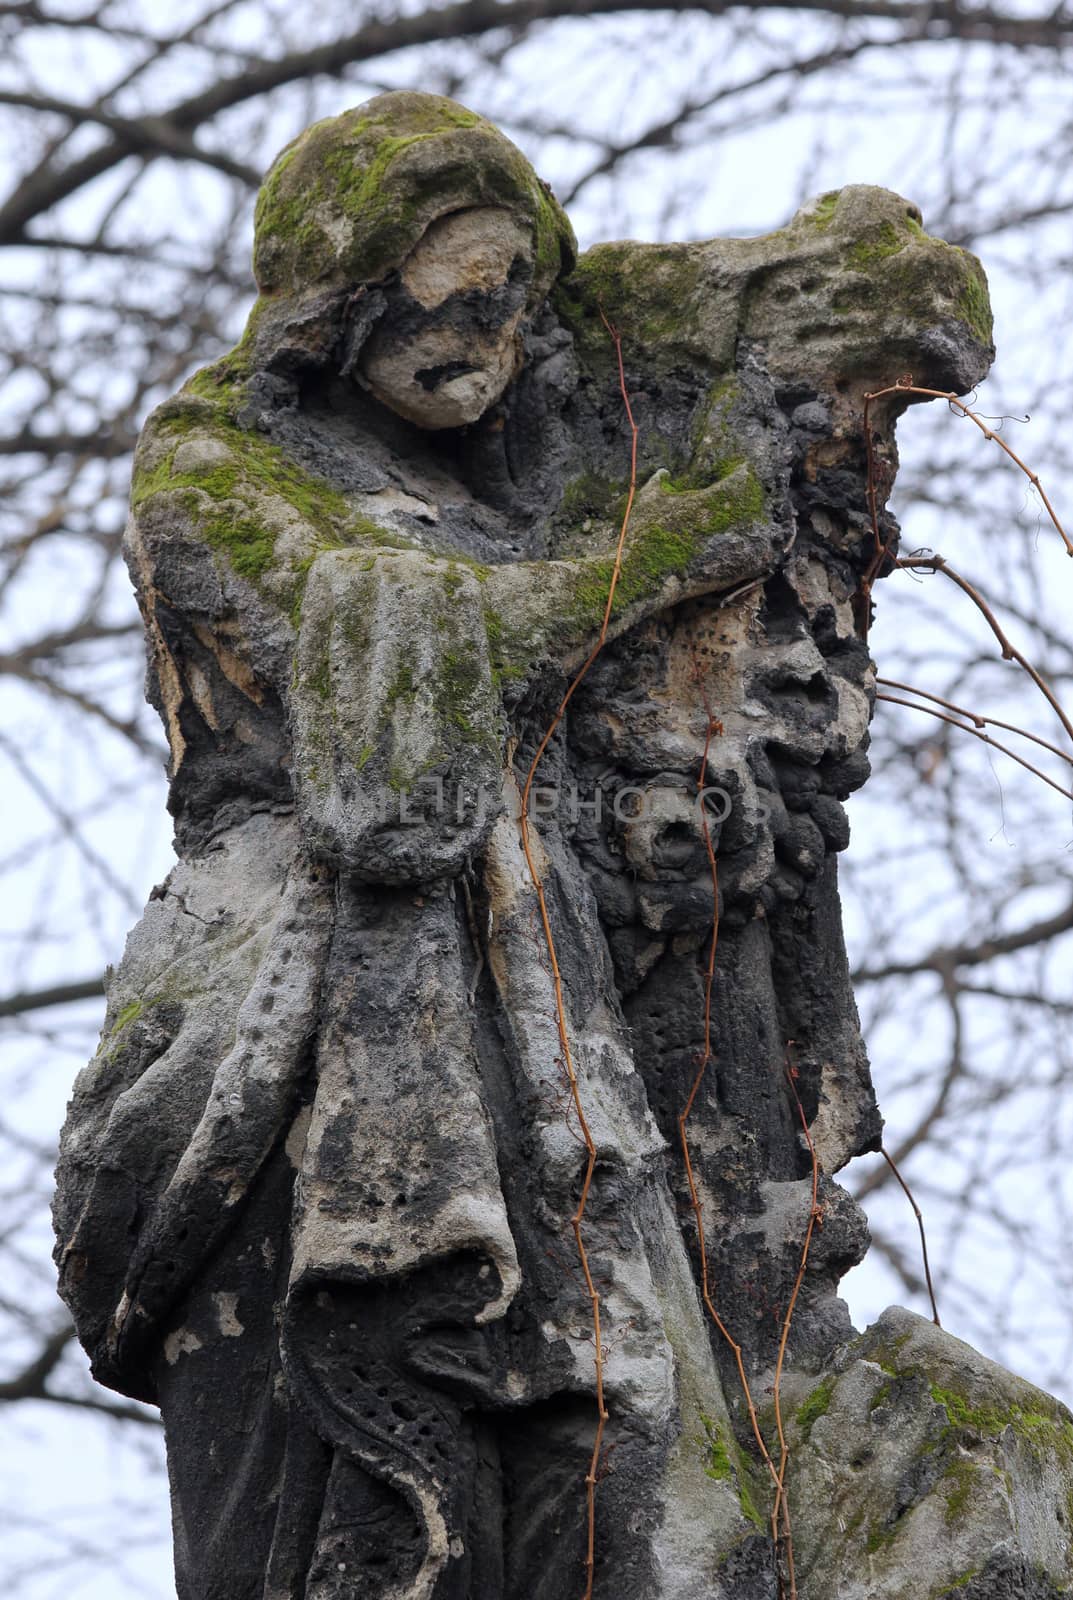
<point x="397" y="744"/>
<point x="680" y="544"/>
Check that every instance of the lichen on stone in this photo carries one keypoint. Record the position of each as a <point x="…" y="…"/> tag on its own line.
<point x="936" y="1462"/>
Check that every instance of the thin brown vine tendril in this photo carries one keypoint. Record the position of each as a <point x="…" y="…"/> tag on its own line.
<point x="715" y="726"/>
<point x="591" y="1477"/>
<point x="938" y="563"/>
<point x="781" y="1510"/>
<point x="907" y="386"/>
<point x="889" y="1159"/>
<point x="976" y="717"/>
<point x="977" y="733"/>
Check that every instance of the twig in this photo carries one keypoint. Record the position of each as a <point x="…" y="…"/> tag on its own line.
<point x="593" y="1474"/>
<point x="889" y="1159"/>
<point x="715" y="726"/>
<point x="907" y="386"/>
<point x="977" y="718"/>
<point x="977" y="733"/>
<point x="938" y="563"/>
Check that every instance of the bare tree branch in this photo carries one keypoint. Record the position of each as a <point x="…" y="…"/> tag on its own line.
<point x="57" y="994"/>
<point x="45" y="186"/>
<point x="947" y="959"/>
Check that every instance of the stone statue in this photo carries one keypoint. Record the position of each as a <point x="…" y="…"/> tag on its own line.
<point x="315" y="1187"/>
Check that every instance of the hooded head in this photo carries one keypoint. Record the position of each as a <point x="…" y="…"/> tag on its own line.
<point x="433" y="230"/>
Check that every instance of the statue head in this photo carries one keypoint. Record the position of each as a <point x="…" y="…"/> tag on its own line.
<point x="436" y="232"/>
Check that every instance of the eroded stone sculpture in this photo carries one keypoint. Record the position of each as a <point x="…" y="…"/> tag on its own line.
<point x="316" y="1185"/>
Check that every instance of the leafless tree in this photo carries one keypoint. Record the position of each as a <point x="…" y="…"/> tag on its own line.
<point x="134" y="146"/>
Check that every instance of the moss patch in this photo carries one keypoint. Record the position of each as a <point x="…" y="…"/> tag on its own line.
<point x="878" y="1535"/>
<point x="645" y="290"/>
<point x="960" y="1582"/>
<point x="824" y="210"/>
<point x="114" y="1045"/>
<point x="958" y="1483"/>
<point x="887" y="1355"/>
<point x="974" y="304"/>
<point x="813" y="1407"/>
<point x="726" y="1461"/>
<point x="1049" y="1435"/>
<point x="229" y="500"/>
<point x="882" y="242"/>
<point x="591" y="495"/>
<point x="889" y="276"/>
<point x="663" y="543"/>
<point x="658" y="549"/>
<point x="129" y="1013"/>
<point x="349" y="199"/>
<point x="880" y="1398"/>
<point x="457" y="689"/>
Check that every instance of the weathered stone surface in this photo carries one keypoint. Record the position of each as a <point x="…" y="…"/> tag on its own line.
<point x="316" y="1187"/>
<point x="933" y="1466"/>
<point x="442" y="371"/>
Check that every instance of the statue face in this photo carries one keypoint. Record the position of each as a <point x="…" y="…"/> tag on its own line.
<point x="448" y="345"/>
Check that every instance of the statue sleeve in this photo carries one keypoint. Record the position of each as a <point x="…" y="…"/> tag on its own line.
<point x="397" y="745"/>
<point x="199" y="1072"/>
<point x="681" y="543"/>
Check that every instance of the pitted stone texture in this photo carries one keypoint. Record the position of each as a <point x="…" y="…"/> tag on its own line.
<point x="324" y="1167"/>
<point x="922" y="1468"/>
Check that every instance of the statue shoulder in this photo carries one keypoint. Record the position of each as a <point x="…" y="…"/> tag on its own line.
<point x="203" y="480"/>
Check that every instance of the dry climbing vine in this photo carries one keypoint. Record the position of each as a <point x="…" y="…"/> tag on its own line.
<point x="948" y="711"/>
<point x="883" y="560"/>
<point x="569" y="1066"/>
<point x="780" y="1516"/>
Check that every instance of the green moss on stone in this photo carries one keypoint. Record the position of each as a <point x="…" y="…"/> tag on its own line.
<point x="222" y="383"/>
<point x="646" y="291"/>
<point x="116" y="1043"/>
<point x="889" y="276"/>
<point x="458" y="686"/>
<point x="452" y="581"/>
<point x="725" y="1461"/>
<point x="507" y="664"/>
<point x="813" y="1407"/>
<point x="349" y="199"/>
<point x="590" y="495"/>
<point x="974" y="304"/>
<point x="225" y="500"/>
<point x="884" y="241"/>
<point x="716" y="441"/>
<point x="960" y="1582"/>
<point x="662" y="544"/>
<point x="887" y="1355"/>
<point x="878" y="1535"/>
<point x="129" y="1013"/>
<point x="1049" y="1435"/>
<point x="958" y="1483"/>
<point x="718" y="1464"/>
<point x="824" y="209"/>
<point x="403" y="687"/>
<point x="319" y="678"/>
